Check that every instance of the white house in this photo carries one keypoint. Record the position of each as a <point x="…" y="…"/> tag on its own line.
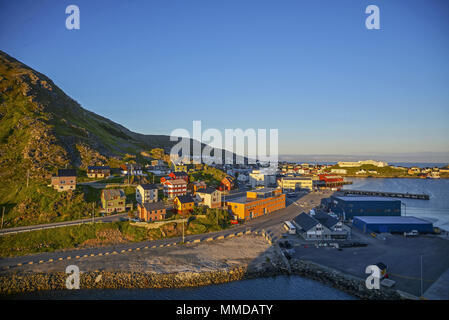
<point x="146" y="193"/>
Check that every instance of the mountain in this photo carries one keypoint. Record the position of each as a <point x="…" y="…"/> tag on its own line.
<point x="47" y="128"/>
<point x="42" y="129"/>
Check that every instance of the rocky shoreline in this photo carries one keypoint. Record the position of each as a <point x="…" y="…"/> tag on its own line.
<point x="27" y="282"/>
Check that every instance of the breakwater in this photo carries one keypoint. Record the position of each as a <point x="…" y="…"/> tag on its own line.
<point x="16" y="283"/>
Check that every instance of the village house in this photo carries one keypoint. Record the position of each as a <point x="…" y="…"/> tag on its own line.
<point x="209" y="197"/>
<point x="184" y="204"/>
<point x="98" y="171"/>
<point x="320" y="226"/>
<point x="174" y="188"/>
<point x="157" y="163"/>
<point x="146" y="193"/>
<point x="227" y="183"/>
<point x="64" y="180"/>
<point x="151" y="211"/>
<point x="196" y="186"/>
<point x="131" y="169"/>
<point x="113" y="200"/>
<point x="179" y="175"/>
<point x="187" y="167"/>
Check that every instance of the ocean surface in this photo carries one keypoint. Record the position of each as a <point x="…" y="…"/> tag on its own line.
<point x="435" y="210"/>
<point x="274" y="288"/>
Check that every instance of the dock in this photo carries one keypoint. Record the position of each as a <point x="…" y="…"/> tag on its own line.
<point x="386" y="194"/>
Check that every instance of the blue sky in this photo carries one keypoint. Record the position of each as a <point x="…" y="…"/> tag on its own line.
<point x="308" y="68"/>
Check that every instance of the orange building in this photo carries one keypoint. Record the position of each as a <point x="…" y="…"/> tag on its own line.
<point x="151" y="211"/>
<point x="256" y="203"/>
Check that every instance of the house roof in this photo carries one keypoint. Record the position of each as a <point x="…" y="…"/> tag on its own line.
<point x="305" y="221"/>
<point x="297" y="178"/>
<point x="176" y="181"/>
<point x="148" y="186"/>
<point x="326" y="220"/>
<point x="109" y="194"/>
<point x="185" y="199"/>
<point x="66" y="173"/>
<point x="180" y="173"/>
<point x="199" y="183"/>
<point x="154" y="206"/>
<point x="228" y="179"/>
<point x="98" y="168"/>
<point x="208" y="190"/>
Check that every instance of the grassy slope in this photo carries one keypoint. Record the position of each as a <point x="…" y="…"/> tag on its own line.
<point x="42" y="129"/>
<point x="50" y="240"/>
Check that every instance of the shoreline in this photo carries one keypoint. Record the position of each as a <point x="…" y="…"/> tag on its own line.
<point x="389" y="177"/>
<point x="25" y="283"/>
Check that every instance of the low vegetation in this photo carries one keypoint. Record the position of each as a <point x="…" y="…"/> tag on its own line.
<point x="85" y="235"/>
<point x="212" y="176"/>
<point x="100" y="234"/>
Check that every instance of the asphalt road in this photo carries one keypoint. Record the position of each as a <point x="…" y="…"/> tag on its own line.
<point x="271" y="223"/>
<point x="111" y="218"/>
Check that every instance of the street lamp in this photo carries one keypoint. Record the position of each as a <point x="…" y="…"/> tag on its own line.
<point x="405" y="207"/>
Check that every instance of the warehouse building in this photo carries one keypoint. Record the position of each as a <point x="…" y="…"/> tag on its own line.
<point x="348" y="207"/>
<point x="392" y="224"/>
<point x="257" y="203"/>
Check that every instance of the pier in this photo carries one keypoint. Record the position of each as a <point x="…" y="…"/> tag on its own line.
<point x="386" y="194"/>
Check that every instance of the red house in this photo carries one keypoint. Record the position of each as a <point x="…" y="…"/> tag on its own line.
<point x="163" y="179"/>
<point x="227" y="183"/>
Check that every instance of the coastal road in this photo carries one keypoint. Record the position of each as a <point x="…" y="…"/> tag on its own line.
<point x="271" y="223"/>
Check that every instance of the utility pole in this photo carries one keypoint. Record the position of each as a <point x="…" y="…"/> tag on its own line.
<point x="3" y="215"/>
<point x="182" y="230"/>
<point x="93" y="211"/>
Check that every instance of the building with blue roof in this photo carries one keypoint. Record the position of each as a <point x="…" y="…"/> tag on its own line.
<point x="349" y="206"/>
<point x="390" y="224"/>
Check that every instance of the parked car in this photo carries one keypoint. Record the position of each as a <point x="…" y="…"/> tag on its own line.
<point x="413" y="233"/>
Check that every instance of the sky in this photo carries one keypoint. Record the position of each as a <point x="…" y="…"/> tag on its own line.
<point x="310" y="69"/>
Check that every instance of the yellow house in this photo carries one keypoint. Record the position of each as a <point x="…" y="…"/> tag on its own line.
<point x="256" y="203"/>
<point x="183" y="204"/>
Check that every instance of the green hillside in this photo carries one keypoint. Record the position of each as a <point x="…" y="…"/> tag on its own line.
<point x="42" y="129"/>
